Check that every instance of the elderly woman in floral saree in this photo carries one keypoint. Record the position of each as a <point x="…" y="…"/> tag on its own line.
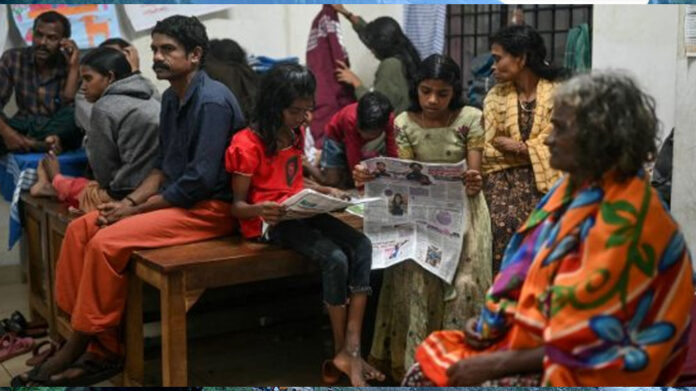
<point x="596" y="287"/>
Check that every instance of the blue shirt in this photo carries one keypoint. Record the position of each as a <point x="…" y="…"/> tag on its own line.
<point x="194" y="135"/>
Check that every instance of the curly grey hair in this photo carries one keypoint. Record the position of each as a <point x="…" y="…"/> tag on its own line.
<point x="616" y="123"/>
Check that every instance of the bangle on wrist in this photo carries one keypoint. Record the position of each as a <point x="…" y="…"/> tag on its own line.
<point x="132" y="201"/>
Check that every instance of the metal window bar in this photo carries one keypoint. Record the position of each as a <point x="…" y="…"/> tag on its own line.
<point x="476" y="39"/>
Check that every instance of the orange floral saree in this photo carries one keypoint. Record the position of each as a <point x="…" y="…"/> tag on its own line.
<point x="601" y="278"/>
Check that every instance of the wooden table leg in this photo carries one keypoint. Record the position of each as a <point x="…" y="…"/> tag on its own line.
<point x="173" y="307"/>
<point x="134" y="371"/>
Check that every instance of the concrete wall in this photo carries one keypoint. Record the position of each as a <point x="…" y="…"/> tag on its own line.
<point x="684" y="175"/>
<point x="649" y="43"/>
<point x="642" y="40"/>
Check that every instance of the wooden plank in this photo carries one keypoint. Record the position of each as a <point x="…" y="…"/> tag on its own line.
<point x="175" y="258"/>
<point x="192" y="297"/>
<point x="171" y="259"/>
<point x="174" y="350"/>
<point x="262" y="266"/>
<point x="53" y="238"/>
<point x="62" y="323"/>
<point x="134" y="371"/>
<point x="146" y="273"/>
<point x="39" y="307"/>
<point x="35" y="253"/>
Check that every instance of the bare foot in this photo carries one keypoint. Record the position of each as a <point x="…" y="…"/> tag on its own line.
<point x="75" y="372"/>
<point x="351" y="366"/>
<point x="53" y="143"/>
<point x="371" y="373"/>
<point x="51" y="165"/>
<point x="74" y="348"/>
<point x="42" y="187"/>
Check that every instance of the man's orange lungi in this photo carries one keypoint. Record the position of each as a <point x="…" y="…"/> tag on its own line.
<point x="91" y="279"/>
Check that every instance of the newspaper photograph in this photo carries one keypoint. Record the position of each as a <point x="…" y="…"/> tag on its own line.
<point x="421" y="214"/>
<point x="308" y="203"/>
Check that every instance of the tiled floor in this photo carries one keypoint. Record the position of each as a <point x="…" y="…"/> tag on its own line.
<point x="14" y="297"/>
<point x="285" y="354"/>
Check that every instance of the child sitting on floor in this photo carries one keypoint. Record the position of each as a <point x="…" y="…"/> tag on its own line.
<point x="122" y="139"/>
<point x="265" y="161"/>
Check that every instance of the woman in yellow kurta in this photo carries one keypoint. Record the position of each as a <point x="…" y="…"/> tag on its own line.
<point x="517" y="120"/>
<point x="438" y="128"/>
<point x="597" y="286"/>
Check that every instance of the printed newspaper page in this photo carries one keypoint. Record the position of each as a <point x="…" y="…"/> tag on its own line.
<point x="308" y="203"/>
<point x="422" y="214"/>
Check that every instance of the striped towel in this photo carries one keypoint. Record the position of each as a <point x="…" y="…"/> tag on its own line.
<point x="424" y="25"/>
<point x="23" y="179"/>
<point x="18" y="173"/>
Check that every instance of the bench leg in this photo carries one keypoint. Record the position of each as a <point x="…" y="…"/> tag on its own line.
<point x="173" y="307"/>
<point x="134" y="372"/>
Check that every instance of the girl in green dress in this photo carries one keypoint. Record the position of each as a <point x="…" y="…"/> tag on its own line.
<point x="437" y="128"/>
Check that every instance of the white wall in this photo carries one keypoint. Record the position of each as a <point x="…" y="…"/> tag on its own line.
<point x="642" y="40"/>
<point x="648" y="41"/>
<point x="277" y="31"/>
<point x="684" y="175"/>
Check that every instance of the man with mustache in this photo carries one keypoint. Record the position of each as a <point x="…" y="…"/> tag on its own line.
<point x="44" y="78"/>
<point x="184" y="199"/>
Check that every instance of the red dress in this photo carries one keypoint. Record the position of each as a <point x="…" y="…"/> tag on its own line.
<point x="273" y="178"/>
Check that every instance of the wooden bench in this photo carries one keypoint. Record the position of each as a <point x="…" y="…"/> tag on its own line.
<point x="44" y="224"/>
<point x="182" y="274"/>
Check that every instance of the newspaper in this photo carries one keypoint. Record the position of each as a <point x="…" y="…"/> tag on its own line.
<point x="308" y="203"/>
<point x="422" y="214"/>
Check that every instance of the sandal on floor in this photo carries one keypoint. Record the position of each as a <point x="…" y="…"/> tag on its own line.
<point x="330" y="375"/>
<point x="19" y="324"/>
<point x="39" y="355"/>
<point x="19" y="318"/>
<point x="32" y="376"/>
<point x="95" y="370"/>
<point x="13" y="346"/>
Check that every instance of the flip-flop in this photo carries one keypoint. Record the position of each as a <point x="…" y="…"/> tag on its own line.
<point x="18" y="323"/>
<point x="39" y="356"/>
<point x="13" y="346"/>
<point x="95" y="371"/>
<point x="34" y="333"/>
<point x="32" y="376"/>
<point x="330" y="375"/>
<point x="20" y="319"/>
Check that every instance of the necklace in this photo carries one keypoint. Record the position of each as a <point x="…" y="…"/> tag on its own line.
<point x="527" y="109"/>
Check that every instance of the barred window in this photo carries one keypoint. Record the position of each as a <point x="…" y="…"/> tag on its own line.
<point x="470" y="26"/>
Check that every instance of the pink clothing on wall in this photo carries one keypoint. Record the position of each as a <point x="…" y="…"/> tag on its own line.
<point x="324" y="48"/>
